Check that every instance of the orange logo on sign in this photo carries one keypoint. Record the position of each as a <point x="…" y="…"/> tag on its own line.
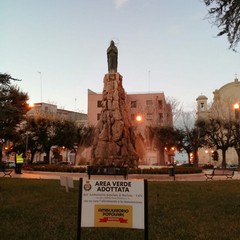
<point x="113" y="216"/>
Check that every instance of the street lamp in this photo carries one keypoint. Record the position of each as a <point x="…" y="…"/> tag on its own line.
<point x="138" y="118"/>
<point x="31" y="105"/>
<point x="209" y="152"/>
<point x="236" y="107"/>
<point x="170" y="153"/>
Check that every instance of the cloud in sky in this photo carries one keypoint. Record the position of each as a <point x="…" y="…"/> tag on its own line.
<point x="120" y="3"/>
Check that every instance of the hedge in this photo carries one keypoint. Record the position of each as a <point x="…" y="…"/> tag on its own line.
<point x="58" y="168"/>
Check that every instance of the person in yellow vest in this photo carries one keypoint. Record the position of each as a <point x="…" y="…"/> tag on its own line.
<point x="19" y="159"/>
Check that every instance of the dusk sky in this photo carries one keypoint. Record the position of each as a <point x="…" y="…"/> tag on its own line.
<point x="58" y="48"/>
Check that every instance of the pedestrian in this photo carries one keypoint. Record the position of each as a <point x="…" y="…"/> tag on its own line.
<point x="19" y="162"/>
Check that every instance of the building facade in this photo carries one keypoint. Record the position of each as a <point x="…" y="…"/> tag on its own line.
<point x="47" y="109"/>
<point x="144" y="109"/>
<point x="51" y="110"/>
<point x="225" y="105"/>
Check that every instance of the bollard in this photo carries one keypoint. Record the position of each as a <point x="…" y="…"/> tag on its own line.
<point x="171" y="171"/>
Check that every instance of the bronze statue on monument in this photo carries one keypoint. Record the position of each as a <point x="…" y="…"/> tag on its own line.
<point x="112" y="57"/>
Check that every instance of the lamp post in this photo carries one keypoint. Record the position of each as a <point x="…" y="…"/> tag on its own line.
<point x="26" y="150"/>
<point x="40" y="73"/>
<point x="170" y="153"/>
<point x="209" y="153"/>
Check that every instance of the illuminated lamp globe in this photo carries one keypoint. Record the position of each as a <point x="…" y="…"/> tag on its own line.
<point x="139" y="118"/>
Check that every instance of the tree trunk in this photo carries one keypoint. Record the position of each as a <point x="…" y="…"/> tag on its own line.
<point x="48" y="154"/>
<point x="195" y="157"/>
<point x="32" y="155"/>
<point x="189" y="158"/>
<point x="224" y="158"/>
<point x="238" y="154"/>
<point x="1" y="147"/>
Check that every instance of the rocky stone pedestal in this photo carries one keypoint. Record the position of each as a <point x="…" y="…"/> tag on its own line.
<point x="114" y="142"/>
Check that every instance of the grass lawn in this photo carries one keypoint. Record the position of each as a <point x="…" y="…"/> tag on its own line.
<point x="41" y="209"/>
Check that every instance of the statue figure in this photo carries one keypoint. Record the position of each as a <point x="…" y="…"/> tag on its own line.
<point x="112" y="57"/>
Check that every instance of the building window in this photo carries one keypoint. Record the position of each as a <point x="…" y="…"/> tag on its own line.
<point x="160" y="104"/>
<point x="99" y="104"/>
<point x="98" y="116"/>
<point x="133" y="104"/>
<point x="149" y="116"/>
<point x="202" y="106"/>
<point x="149" y="102"/>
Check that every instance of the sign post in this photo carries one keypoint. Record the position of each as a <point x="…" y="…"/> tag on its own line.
<point x="113" y="203"/>
<point x="145" y="210"/>
<point x="79" y="222"/>
<point x="67" y="182"/>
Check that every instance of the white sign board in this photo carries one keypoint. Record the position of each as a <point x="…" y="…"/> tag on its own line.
<point x="66" y="182"/>
<point x="112" y="203"/>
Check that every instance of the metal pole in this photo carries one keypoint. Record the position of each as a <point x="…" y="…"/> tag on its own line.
<point x="145" y="209"/>
<point x="26" y="150"/>
<point x="40" y="73"/>
<point x="79" y="220"/>
<point x="149" y="81"/>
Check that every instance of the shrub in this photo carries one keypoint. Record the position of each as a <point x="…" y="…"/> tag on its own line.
<point x="58" y="168"/>
<point x="208" y="166"/>
<point x="178" y="170"/>
<point x="66" y="168"/>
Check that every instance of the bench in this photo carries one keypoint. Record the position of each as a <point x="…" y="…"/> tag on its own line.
<point x="107" y="170"/>
<point x="228" y="173"/>
<point x="6" y="172"/>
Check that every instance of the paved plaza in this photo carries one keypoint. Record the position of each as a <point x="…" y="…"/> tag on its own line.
<point x="149" y="177"/>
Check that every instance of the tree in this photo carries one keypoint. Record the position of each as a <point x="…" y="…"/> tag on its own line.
<point x="236" y="136"/>
<point x="65" y="133"/>
<point x="13" y="109"/>
<point x="166" y="138"/>
<point x="227" y="18"/>
<point x="43" y="133"/>
<point x="177" y="108"/>
<point x="192" y="140"/>
<point x="218" y="133"/>
<point x="192" y="136"/>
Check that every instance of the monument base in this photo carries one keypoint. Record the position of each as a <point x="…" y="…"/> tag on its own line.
<point x="114" y="142"/>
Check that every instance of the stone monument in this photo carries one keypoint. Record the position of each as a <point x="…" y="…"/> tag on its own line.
<point x="114" y="142"/>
